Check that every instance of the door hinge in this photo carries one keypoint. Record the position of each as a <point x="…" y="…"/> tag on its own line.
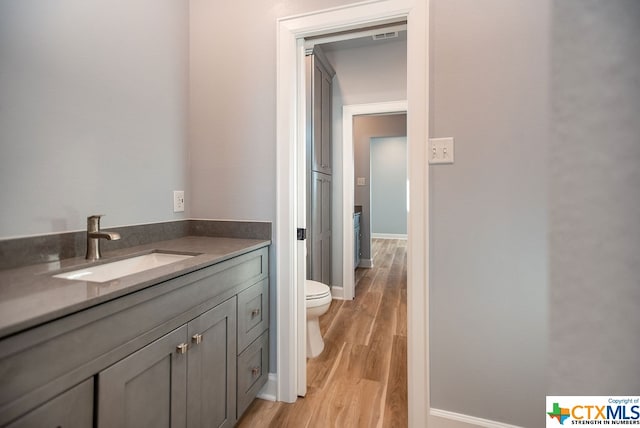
<point x="302" y="234"/>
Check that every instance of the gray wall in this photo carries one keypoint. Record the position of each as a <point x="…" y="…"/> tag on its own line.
<point x="389" y="186"/>
<point x="595" y="199"/>
<point x="365" y="128"/>
<point x="93" y="102"/>
<point x="232" y="105"/>
<point x="370" y="74"/>
<point x="488" y="266"/>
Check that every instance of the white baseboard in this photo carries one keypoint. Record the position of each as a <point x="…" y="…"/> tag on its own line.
<point x="366" y="263"/>
<point x="268" y="391"/>
<point x="469" y="420"/>
<point x="389" y="235"/>
<point x="337" y="292"/>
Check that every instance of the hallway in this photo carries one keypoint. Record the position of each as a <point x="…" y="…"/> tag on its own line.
<point x="360" y="379"/>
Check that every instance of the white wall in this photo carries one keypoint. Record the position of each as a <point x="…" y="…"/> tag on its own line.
<point x="594" y="199"/>
<point x="389" y="186"/>
<point x="93" y="102"/>
<point x="372" y="74"/>
<point x="488" y="242"/>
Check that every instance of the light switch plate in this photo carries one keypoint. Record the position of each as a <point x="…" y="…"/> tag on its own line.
<point x="441" y="150"/>
<point x="178" y="201"/>
<point x="360" y="181"/>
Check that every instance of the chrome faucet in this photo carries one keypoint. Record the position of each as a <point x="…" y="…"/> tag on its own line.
<point x="94" y="234"/>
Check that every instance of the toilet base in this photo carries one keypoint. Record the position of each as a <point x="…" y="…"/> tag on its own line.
<point x="315" y="344"/>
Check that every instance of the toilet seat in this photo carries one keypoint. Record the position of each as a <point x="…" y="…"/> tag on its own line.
<point x="316" y="292"/>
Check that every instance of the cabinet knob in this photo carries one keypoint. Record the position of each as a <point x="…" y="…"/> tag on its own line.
<point x="182" y="348"/>
<point x="255" y="312"/>
<point x="255" y="371"/>
<point x="197" y="339"/>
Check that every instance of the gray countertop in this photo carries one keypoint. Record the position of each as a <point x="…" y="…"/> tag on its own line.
<point x="30" y="295"/>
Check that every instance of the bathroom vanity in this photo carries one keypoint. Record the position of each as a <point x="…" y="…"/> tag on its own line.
<point x="182" y="345"/>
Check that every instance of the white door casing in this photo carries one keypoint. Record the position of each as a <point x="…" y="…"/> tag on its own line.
<point x="290" y="298"/>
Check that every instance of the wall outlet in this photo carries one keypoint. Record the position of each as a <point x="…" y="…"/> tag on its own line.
<point x="178" y="201"/>
<point x="441" y="150"/>
<point x="361" y="181"/>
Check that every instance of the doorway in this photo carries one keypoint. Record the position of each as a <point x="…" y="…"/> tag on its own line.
<point x="349" y="112"/>
<point x="290" y="310"/>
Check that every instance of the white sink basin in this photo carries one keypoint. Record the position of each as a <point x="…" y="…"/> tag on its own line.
<point x="109" y="271"/>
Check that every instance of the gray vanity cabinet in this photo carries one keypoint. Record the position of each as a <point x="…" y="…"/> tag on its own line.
<point x="148" y="388"/>
<point x="71" y="409"/>
<point x="164" y="356"/>
<point x="211" y="373"/>
<point x="184" y="379"/>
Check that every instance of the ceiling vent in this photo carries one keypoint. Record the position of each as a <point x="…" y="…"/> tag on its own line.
<point x="383" y="36"/>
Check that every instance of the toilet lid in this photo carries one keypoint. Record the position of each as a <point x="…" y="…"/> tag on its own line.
<point x="316" y="290"/>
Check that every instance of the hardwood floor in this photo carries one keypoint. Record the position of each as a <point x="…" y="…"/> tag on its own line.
<point x="360" y="379"/>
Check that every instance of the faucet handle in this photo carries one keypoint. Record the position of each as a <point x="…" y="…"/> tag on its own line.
<point x="93" y="222"/>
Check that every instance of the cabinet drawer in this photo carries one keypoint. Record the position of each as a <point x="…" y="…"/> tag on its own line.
<point x="253" y="313"/>
<point x="253" y="368"/>
<point x="71" y="409"/>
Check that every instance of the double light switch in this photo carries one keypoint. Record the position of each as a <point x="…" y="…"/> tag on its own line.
<point x="441" y="150"/>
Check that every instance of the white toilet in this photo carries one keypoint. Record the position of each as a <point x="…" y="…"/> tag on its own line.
<point x="318" y="302"/>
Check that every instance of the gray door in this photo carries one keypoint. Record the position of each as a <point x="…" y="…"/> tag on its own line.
<point x="148" y="389"/>
<point x="212" y="368"/>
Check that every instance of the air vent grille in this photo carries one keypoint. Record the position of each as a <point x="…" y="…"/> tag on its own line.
<point x="383" y="36"/>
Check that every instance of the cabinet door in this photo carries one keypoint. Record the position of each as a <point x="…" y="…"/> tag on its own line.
<point x="326" y="123"/>
<point x="320" y="240"/>
<point x="326" y="230"/>
<point x="71" y="409"/>
<point x="321" y="117"/>
<point x="212" y="368"/>
<point x="356" y="243"/>
<point x="148" y="388"/>
<point x="316" y="122"/>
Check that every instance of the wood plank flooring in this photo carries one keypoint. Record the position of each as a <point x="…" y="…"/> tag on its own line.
<point x="360" y="379"/>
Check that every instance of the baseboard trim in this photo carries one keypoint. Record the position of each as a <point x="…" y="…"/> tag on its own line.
<point x="366" y="263"/>
<point x="470" y="420"/>
<point x="268" y="391"/>
<point x="337" y="293"/>
<point x="389" y="235"/>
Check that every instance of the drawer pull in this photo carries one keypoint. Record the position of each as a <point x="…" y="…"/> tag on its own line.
<point x="255" y="371"/>
<point x="197" y="339"/>
<point x="255" y="312"/>
<point x="182" y="348"/>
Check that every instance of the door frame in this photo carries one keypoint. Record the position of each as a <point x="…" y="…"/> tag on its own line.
<point x="290" y="118"/>
<point x="348" y="180"/>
